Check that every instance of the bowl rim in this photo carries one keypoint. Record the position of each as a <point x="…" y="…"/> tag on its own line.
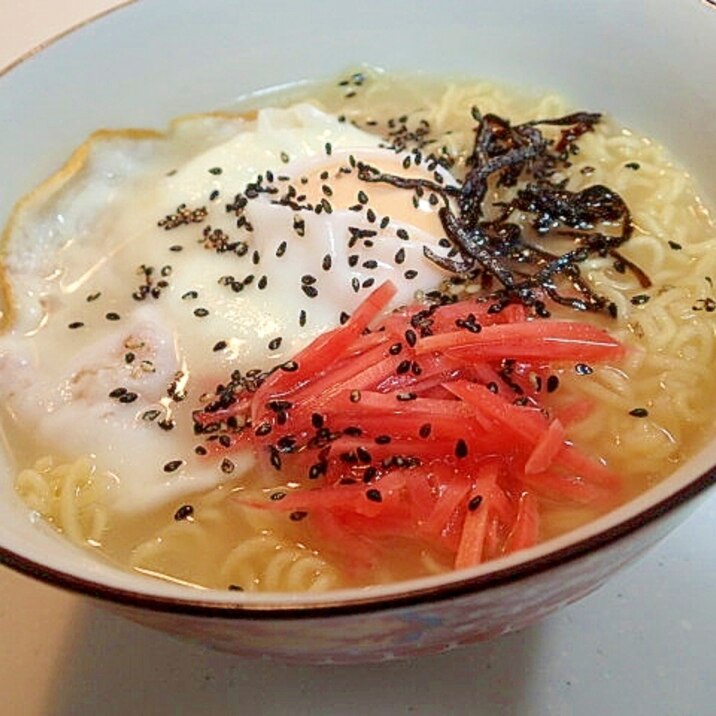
<point x="338" y="606"/>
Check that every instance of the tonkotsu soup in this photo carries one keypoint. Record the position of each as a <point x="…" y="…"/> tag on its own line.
<point x="353" y="334"/>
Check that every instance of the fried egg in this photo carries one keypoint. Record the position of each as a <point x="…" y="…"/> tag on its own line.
<point x="153" y="265"/>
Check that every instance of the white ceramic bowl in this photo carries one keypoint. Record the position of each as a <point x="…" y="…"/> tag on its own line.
<point x="649" y="62"/>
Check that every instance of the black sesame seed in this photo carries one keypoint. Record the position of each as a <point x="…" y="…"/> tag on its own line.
<point x="353" y="260"/>
<point x="189" y="295"/>
<point x="355" y="284"/>
<point x="363" y="455"/>
<point x="474" y="503"/>
<point x="219" y="346"/>
<point x="128" y="397"/>
<point x="235" y="588"/>
<point x="461" y="449"/>
<point x="355" y="396"/>
<point x="382" y="439"/>
<point x="275" y="343"/>
<point x="411" y="337"/>
<point x="410" y="274"/>
<point x="184" y="513"/>
<point x="281" y="249"/>
<point x="402" y="234"/>
<point x="675" y="245"/>
<point x="150" y="415"/>
<point x="370" y="264"/>
<point x="75" y="324"/>
<point x="201" y="312"/>
<point x="317" y="469"/>
<point x="395" y="349"/>
<point x="344" y="318"/>
<point x="302" y="318"/>
<point x="399" y="256"/>
<point x="93" y="297"/>
<point x="552" y="383"/>
<point x="632" y="165"/>
<point x="308" y="280"/>
<point x="117" y="392"/>
<point x="327" y="262"/>
<point x="276" y="496"/>
<point x="298" y="515"/>
<point x="384" y="222"/>
<point x="425" y="430"/>
<point x="310" y="291"/>
<point x="317" y="421"/>
<point x="227" y="467"/>
<point x="289" y="366"/>
<point x="200" y="450"/>
<point x="583" y="369"/>
<point x="368" y="282"/>
<point x="640" y="299"/>
<point x="374" y="495"/>
<point x="362" y="197"/>
<point x="405" y="397"/>
<point x="263" y="429"/>
<point x="112" y="316"/>
<point x="173" y="465"/>
<point x="403" y="367"/>
<point x="263" y="282"/>
<point x="285" y="158"/>
<point x="639" y="412"/>
<point x="275" y="458"/>
<point x="215" y="171"/>
<point x="369" y="474"/>
<point x="328" y="148"/>
<point x="214" y="195"/>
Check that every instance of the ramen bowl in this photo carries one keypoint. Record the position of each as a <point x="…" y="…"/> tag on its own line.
<point x="648" y="62"/>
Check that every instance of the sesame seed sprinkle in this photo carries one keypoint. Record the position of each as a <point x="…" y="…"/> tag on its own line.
<point x="425" y="430"/>
<point x="185" y="512"/>
<point x="374" y="495"/>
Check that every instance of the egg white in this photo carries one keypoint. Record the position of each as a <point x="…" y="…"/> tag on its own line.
<point x="74" y="254"/>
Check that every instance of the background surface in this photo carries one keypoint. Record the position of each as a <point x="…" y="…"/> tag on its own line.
<point x="644" y="644"/>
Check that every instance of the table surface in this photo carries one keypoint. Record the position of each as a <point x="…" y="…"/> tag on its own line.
<point x="643" y="644"/>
